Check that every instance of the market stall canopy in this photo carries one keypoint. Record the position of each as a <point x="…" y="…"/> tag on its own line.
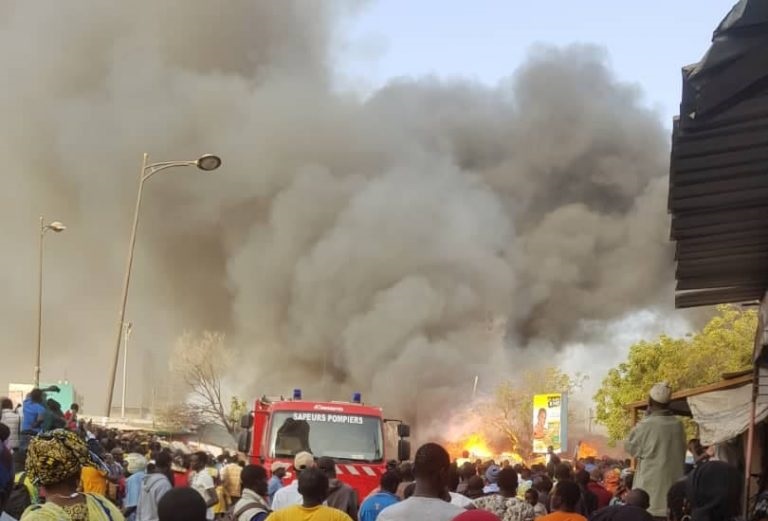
<point x="724" y="415"/>
<point x="679" y="400"/>
<point x="718" y="190"/>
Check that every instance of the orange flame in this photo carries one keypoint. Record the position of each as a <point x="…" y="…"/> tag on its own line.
<point x="474" y="445"/>
<point x="586" y="451"/>
<point x="477" y="447"/>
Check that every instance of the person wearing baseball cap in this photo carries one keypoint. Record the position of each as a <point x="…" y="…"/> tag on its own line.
<point x="290" y="495"/>
<point x="658" y="444"/>
<point x="278" y="470"/>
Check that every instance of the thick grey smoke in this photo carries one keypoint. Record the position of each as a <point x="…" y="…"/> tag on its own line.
<point x="396" y="245"/>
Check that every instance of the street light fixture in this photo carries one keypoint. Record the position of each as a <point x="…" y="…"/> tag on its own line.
<point x="57" y="227"/>
<point x="207" y="163"/>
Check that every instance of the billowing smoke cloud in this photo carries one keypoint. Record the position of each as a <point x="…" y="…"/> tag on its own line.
<point x="397" y="245"/>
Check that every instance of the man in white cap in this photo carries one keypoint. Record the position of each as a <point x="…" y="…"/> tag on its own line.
<point x="658" y="444"/>
<point x="288" y="496"/>
<point x="137" y="466"/>
<point x="278" y="470"/>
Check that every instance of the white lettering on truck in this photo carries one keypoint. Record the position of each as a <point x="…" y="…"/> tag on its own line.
<point x="328" y="418"/>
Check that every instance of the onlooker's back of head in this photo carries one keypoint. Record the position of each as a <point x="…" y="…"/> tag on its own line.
<point x="507" y="481"/>
<point x="543" y="484"/>
<point x="405" y="470"/>
<point x="327" y="465"/>
<point x="475" y="486"/>
<point x="181" y="504"/>
<point x="163" y="460"/>
<point x="254" y="477"/>
<point x="677" y="502"/>
<point x="389" y="482"/>
<point x="638" y="497"/>
<point x="313" y="485"/>
<point x="467" y="470"/>
<point x="36" y="395"/>
<point x="714" y="491"/>
<point x="431" y="462"/>
<point x="567" y="496"/>
<point x="563" y="472"/>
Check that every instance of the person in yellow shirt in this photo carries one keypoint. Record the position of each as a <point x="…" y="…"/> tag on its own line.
<point x="93" y="481"/>
<point x="314" y="488"/>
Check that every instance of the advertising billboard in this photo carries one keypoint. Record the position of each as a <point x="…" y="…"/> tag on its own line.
<point x="550" y="422"/>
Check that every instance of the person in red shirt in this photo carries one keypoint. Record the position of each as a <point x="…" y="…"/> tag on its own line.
<point x="603" y="496"/>
<point x="180" y="470"/>
<point x="71" y="416"/>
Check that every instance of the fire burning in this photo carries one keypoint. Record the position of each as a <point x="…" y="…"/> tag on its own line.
<point x="586" y="450"/>
<point x="474" y="446"/>
<point x="477" y="447"/>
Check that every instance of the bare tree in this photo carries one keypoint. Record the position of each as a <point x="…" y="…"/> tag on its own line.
<point x="510" y="410"/>
<point x="178" y="417"/>
<point x="201" y="361"/>
<point x="503" y="413"/>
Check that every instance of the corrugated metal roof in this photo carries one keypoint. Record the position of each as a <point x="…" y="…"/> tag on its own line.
<point x="718" y="183"/>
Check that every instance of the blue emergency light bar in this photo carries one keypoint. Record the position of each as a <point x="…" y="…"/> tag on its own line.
<point x="357" y="398"/>
<point x="297" y="394"/>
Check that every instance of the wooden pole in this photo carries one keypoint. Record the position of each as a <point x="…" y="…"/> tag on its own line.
<point x="750" y="441"/>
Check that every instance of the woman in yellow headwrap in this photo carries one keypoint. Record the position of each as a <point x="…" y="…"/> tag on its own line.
<point x="54" y="461"/>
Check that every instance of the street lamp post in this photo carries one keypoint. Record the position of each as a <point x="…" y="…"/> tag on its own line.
<point x="207" y="163"/>
<point x="56" y="227"/>
<point x="128" y="327"/>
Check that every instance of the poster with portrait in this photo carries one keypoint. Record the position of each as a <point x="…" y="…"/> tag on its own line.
<point x="550" y="418"/>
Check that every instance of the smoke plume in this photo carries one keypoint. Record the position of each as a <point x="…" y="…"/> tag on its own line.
<point x="397" y="245"/>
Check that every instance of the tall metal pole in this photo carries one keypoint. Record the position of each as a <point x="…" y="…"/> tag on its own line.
<point x="125" y="367"/>
<point x="126" y="283"/>
<point x="39" y="305"/>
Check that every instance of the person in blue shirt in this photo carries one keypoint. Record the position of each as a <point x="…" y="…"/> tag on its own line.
<point x="33" y="412"/>
<point x="373" y="506"/>
<point x="276" y="481"/>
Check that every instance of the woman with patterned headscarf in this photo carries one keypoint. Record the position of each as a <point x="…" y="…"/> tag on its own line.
<point x="54" y="461"/>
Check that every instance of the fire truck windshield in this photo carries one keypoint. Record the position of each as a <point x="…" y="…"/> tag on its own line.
<point x="339" y="436"/>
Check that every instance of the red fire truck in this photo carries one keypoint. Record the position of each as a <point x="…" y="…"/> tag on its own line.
<point x="351" y="433"/>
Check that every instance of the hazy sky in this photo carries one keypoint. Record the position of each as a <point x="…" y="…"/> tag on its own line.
<point x="647" y="42"/>
<point x="110" y="82"/>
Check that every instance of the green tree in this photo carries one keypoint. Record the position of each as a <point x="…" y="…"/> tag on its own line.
<point x="510" y="409"/>
<point x="724" y="345"/>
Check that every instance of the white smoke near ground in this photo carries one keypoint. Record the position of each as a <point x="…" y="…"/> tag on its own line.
<point x="345" y="245"/>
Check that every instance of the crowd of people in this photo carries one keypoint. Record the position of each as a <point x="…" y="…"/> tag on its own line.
<point x="75" y="471"/>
